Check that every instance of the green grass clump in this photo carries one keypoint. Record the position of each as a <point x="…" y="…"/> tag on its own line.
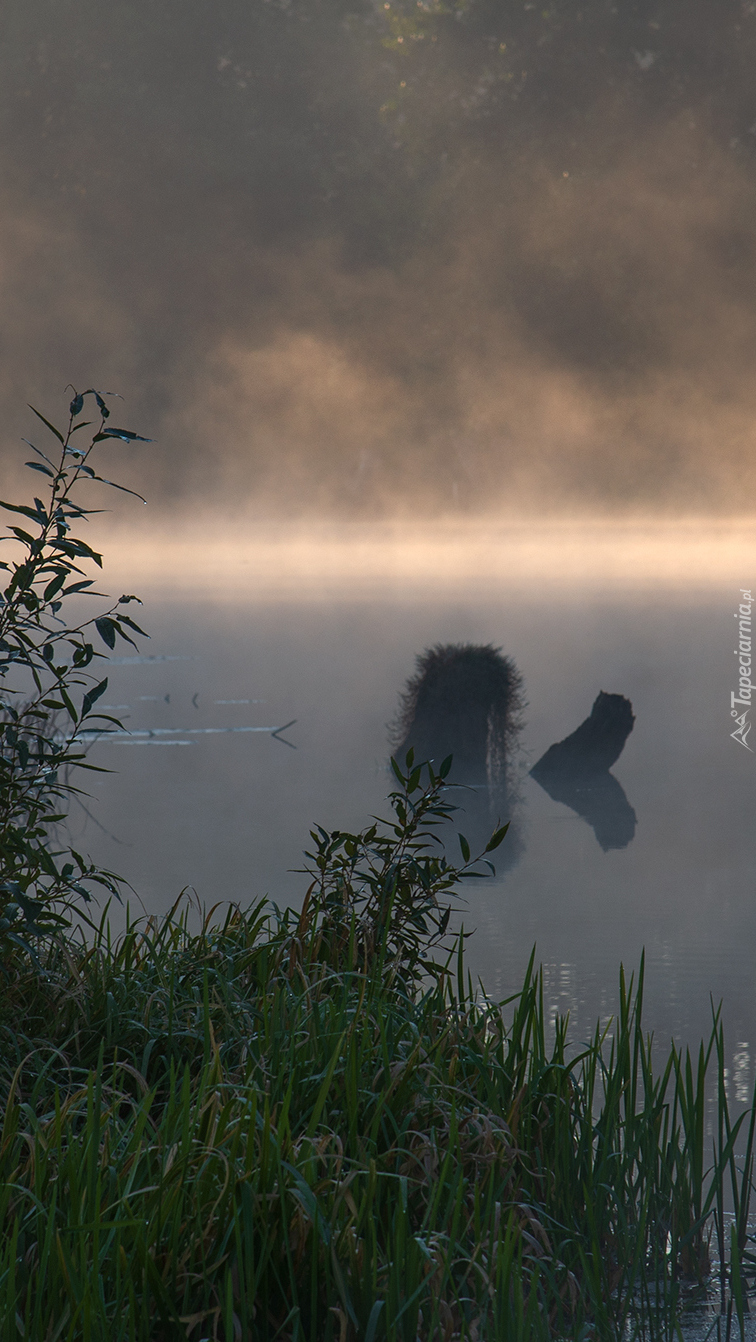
<point x="304" y="1126"/>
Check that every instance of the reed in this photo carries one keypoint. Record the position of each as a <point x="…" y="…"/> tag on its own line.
<point x="309" y="1126"/>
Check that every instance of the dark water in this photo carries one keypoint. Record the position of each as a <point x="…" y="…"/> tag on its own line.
<point x="228" y="814"/>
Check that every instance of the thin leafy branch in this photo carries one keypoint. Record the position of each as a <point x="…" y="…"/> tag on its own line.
<point x="49" y="676"/>
<point x="379" y="896"/>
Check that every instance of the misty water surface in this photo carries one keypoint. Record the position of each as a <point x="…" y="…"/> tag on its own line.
<point x="229" y="814"/>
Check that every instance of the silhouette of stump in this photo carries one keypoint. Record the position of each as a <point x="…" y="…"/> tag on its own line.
<point x="576" y="771"/>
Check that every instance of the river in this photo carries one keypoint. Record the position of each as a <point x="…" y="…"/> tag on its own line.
<point x="321" y="630"/>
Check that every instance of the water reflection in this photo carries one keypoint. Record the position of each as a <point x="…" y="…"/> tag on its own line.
<point x="600" y="800"/>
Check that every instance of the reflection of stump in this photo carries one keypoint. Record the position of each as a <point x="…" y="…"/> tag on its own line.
<point x="600" y="799"/>
<point x="465" y="700"/>
<point x="576" y="771"/>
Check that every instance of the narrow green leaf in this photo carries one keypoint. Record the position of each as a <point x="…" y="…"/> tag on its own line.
<point x="67" y="702"/>
<point x="92" y="696"/>
<point x="371" y="1331"/>
<point x="124" y="619"/>
<point x="50" y="426"/>
<point x="123" y="489"/>
<point x="125" y="434"/>
<point x="20" y="508"/>
<point x="325" y="1086"/>
<point x="54" y="587"/>
<point x="496" y="838"/>
<point x="106" y="629"/>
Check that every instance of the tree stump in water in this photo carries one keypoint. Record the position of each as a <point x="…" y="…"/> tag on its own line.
<point x="464" y="700"/>
<point x="575" y="771"/>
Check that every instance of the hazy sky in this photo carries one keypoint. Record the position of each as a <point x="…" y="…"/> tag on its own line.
<point x="342" y="256"/>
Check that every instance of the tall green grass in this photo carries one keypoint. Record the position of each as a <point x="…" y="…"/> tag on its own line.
<point x="305" y="1126"/>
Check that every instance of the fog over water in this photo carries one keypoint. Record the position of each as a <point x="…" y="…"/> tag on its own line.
<point x="353" y="257"/>
<point x="443" y="321"/>
<point x="329" y="638"/>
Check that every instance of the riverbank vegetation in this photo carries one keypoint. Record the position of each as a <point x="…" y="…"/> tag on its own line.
<point x="310" y="1125"/>
<point x="300" y="1126"/>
